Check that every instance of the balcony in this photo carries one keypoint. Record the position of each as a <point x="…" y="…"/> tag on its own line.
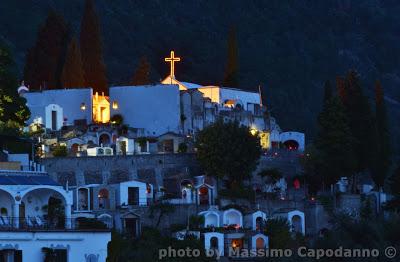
<point x="31" y="224"/>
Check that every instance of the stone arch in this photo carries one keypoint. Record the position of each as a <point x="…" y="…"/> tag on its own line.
<point x="233" y="217"/>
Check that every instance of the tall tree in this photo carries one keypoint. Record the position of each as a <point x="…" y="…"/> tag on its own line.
<point x="44" y="61"/>
<point x="383" y="150"/>
<point x="231" y="76"/>
<point x="361" y="120"/>
<point x="72" y="74"/>
<point x="335" y="157"/>
<point x="227" y="150"/>
<point x="142" y="73"/>
<point x="92" y="50"/>
<point x="327" y="91"/>
<point x="13" y="109"/>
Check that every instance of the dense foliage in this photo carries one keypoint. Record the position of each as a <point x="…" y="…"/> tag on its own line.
<point x="13" y="111"/>
<point x="227" y="150"/>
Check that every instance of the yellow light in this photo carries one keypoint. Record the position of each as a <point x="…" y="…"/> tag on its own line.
<point x="253" y="131"/>
<point x="115" y="105"/>
<point x="83" y="106"/>
<point x="172" y="59"/>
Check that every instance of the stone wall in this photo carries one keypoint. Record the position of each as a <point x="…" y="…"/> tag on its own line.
<point x="152" y="168"/>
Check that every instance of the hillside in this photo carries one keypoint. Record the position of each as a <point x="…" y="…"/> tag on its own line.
<point x="289" y="47"/>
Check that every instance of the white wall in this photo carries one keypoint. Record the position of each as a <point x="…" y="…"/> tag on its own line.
<point x="123" y="192"/>
<point x="78" y="244"/>
<point x="296" y="136"/>
<point x="69" y="99"/>
<point x="156" y="108"/>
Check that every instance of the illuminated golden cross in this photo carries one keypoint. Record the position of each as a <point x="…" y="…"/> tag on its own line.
<point x="172" y="59"/>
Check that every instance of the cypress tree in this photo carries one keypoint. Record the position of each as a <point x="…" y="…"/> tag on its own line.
<point x="335" y="157"/>
<point x="91" y="50"/>
<point x="44" y="61"/>
<point x="231" y="76"/>
<point x="72" y="75"/>
<point x="142" y="73"/>
<point x="361" y="121"/>
<point x="383" y="150"/>
<point x="327" y="91"/>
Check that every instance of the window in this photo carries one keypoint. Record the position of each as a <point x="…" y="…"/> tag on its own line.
<point x="103" y="197"/>
<point x="133" y="196"/>
<point x="51" y="254"/>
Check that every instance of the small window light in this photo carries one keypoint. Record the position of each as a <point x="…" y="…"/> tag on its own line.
<point x="83" y="107"/>
<point x="115" y="105"/>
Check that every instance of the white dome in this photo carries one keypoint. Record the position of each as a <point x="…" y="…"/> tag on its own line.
<point x="22" y="88"/>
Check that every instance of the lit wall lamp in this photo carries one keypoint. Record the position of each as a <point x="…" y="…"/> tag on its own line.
<point x="83" y="107"/>
<point x="115" y="105"/>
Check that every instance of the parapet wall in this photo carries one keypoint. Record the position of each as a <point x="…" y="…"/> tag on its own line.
<point x="152" y="168"/>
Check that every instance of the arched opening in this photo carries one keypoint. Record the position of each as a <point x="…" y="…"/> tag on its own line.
<point x="203" y="196"/>
<point x="291" y="145"/>
<point x="83" y="199"/>
<point x="43" y="207"/>
<point x="297" y="224"/>
<point x="260" y="243"/>
<point x="104" y="200"/>
<point x="214" y="243"/>
<point x="6" y="206"/>
<point x="104" y="139"/>
<point x="74" y="148"/>
<point x="259" y="223"/>
<point x="232" y="218"/>
<point x="106" y="219"/>
<point x="211" y="220"/>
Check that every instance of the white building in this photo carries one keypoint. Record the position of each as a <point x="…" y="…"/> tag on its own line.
<point x="31" y="226"/>
<point x="59" y="107"/>
<point x="296" y="219"/>
<point x="156" y="108"/>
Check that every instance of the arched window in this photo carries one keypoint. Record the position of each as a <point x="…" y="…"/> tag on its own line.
<point x="260" y="243"/>
<point x="297" y="224"/>
<point x="214" y="243"/>
<point x="104" y="200"/>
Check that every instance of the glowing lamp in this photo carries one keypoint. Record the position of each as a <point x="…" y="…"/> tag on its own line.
<point x="253" y="131"/>
<point x="83" y="107"/>
<point x="115" y="105"/>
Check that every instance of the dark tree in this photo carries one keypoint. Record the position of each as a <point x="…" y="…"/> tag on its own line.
<point x="44" y="61"/>
<point x="327" y="91"/>
<point x="72" y="75"/>
<point x="394" y="182"/>
<point x="142" y="73"/>
<point x="92" y="50"/>
<point x="333" y="143"/>
<point x="231" y="76"/>
<point x="13" y="109"/>
<point x="361" y="121"/>
<point x="383" y="150"/>
<point x="227" y="150"/>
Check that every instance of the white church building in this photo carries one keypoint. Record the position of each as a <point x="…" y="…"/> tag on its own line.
<point x="171" y="106"/>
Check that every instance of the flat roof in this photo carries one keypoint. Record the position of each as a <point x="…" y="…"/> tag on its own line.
<point x="25" y="179"/>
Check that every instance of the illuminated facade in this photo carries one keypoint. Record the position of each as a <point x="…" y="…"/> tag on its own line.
<point x="101" y="108"/>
